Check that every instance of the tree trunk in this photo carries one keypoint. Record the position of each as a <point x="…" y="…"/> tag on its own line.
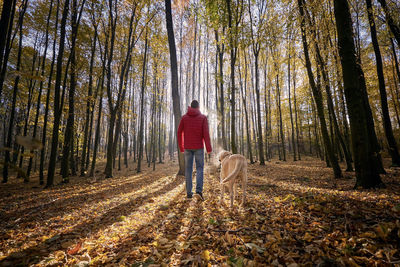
<point x="46" y="111"/>
<point x="57" y="107"/>
<point x="233" y="60"/>
<point x="43" y="68"/>
<point x="278" y="92"/>
<point x="31" y="89"/>
<point x="97" y="134"/>
<point x="113" y="109"/>
<point x="257" y="89"/>
<point x="331" y="108"/>
<point x="318" y="98"/>
<point x="174" y="78"/>
<point x="366" y="168"/>
<point x="140" y="138"/>
<point x="396" y="63"/>
<point x="244" y="93"/>
<point x="8" y="44"/>
<point x="69" y="129"/>
<point x="89" y="102"/>
<point x="220" y="52"/>
<point x="6" y="22"/>
<point x="194" y="59"/>
<point x="290" y="105"/>
<point x="295" y="110"/>
<point x="14" y="96"/>
<point x="387" y="125"/>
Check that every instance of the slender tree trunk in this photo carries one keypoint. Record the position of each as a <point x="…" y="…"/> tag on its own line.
<point x="119" y="152"/>
<point x="112" y="109"/>
<point x="278" y="91"/>
<point x="160" y="131"/>
<point x="57" y="106"/>
<point x="295" y="110"/>
<point x="267" y="121"/>
<point x="31" y="89"/>
<point x="85" y="149"/>
<point x="46" y="111"/>
<point x="69" y="129"/>
<point x="43" y="68"/>
<point x="318" y="98"/>
<point x="97" y="134"/>
<point x="396" y="63"/>
<point x="233" y="60"/>
<point x="331" y="109"/>
<point x="395" y="91"/>
<point x="259" y="126"/>
<point x="8" y="44"/>
<point x="140" y="138"/>
<point x="244" y="92"/>
<point x="194" y="59"/>
<point x="174" y="78"/>
<point x="220" y="52"/>
<point x="387" y="125"/>
<point x="6" y="22"/>
<point x="290" y="106"/>
<point x="14" y="95"/>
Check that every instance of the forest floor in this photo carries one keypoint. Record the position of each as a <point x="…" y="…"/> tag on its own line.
<point x="296" y="214"/>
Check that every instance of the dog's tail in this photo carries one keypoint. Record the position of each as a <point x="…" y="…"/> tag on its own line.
<point x="235" y="172"/>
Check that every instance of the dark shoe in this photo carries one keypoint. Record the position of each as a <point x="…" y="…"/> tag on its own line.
<point x="200" y="196"/>
<point x="189" y="195"/>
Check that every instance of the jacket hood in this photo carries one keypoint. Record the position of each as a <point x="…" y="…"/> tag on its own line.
<point x="193" y="111"/>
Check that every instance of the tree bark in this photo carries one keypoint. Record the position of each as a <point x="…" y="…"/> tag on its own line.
<point x="97" y="133"/>
<point x="46" y="111"/>
<point x="387" y="125"/>
<point x="174" y="78"/>
<point x="14" y="95"/>
<point x="140" y="138"/>
<point x="220" y="52"/>
<point x="7" y="49"/>
<point x="331" y="108"/>
<point x="31" y="89"/>
<point x="5" y="27"/>
<point x="295" y="110"/>
<point x="366" y="168"/>
<point x="278" y="92"/>
<point x="43" y="68"/>
<point x="233" y="52"/>
<point x="318" y="98"/>
<point x="89" y="102"/>
<point x="57" y="106"/>
<point x="290" y="105"/>
<point x="69" y="129"/>
<point x="244" y="92"/>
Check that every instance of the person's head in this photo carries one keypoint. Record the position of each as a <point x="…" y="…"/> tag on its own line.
<point x="195" y="104"/>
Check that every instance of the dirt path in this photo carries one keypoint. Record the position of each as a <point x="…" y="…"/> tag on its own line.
<point x="296" y="214"/>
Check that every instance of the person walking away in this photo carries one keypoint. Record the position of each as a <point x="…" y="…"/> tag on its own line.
<point x="192" y="135"/>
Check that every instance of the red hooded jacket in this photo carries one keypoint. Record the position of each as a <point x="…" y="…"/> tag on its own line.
<point x="192" y="130"/>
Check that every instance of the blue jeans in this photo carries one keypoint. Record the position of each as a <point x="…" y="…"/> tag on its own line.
<point x="198" y="155"/>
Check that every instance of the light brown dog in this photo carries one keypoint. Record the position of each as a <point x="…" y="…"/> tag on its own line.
<point x="233" y="170"/>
